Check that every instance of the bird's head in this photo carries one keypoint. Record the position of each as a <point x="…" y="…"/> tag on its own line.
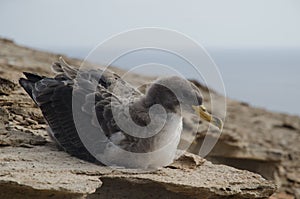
<point x="174" y="93"/>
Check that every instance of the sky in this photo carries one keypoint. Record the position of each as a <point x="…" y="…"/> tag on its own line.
<point x="248" y="39"/>
<point x="74" y="23"/>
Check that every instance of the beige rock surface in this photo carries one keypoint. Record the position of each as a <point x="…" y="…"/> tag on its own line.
<point x="259" y="141"/>
<point x="31" y="166"/>
<point x="44" y="169"/>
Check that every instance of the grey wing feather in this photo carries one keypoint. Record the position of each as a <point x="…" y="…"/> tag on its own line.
<point x="55" y="100"/>
<point x="54" y="96"/>
<point x="62" y="67"/>
<point x="106" y="78"/>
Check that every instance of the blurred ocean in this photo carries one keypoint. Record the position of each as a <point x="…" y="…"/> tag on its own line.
<point x="266" y="78"/>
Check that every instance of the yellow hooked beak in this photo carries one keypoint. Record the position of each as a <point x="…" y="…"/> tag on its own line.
<point x="203" y="114"/>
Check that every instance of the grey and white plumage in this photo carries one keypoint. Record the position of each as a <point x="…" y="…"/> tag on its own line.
<point x="102" y="96"/>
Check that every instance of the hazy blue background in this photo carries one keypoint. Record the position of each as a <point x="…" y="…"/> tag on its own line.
<point x="255" y="43"/>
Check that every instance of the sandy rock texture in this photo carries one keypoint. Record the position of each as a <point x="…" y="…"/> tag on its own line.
<point x="260" y="141"/>
<point x="31" y="165"/>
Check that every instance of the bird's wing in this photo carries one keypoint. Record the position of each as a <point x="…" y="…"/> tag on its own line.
<point x="103" y="107"/>
<point x="106" y="78"/>
<point x="78" y="114"/>
<point x="69" y="96"/>
<point x="54" y="98"/>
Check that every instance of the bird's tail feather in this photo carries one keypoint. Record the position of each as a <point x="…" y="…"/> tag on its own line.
<point x="28" y="84"/>
<point x="62" y="67"/>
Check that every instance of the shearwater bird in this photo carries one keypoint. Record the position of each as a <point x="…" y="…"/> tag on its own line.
<point x="96" y="116"/>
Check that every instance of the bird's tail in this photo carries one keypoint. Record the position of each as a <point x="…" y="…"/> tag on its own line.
<point x="28" y="84"/>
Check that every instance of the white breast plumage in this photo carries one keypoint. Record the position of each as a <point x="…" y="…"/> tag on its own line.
<point x="162" y="156"/>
